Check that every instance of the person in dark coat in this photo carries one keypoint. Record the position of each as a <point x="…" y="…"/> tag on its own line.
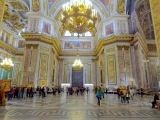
<point x="155" y="100"/>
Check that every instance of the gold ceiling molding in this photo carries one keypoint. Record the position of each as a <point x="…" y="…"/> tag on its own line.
<point x="54" y="42"/>
<point x="113" y="39"/>
<point x="11" y="49"/>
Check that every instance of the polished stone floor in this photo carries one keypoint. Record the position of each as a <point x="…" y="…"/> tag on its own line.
<point x="62" y="107"/>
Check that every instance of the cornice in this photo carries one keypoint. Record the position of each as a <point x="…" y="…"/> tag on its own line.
<point x="54" y="42"/>
<point x="10" y="48"/>
<point x="113" y="39"/>
<point x="138" y="37"/>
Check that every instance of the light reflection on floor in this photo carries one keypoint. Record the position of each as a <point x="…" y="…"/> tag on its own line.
<point x="62" y="107"/>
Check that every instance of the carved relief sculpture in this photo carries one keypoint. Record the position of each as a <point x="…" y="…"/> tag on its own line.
<point x="120" y="6"/>
<point x="35" y="5"/>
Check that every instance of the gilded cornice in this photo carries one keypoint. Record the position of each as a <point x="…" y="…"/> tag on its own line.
<point x="138" y="37"/>
<point x="113" y="39"/>
<point x="10" y="48"/>
<point x="54" y="42"/>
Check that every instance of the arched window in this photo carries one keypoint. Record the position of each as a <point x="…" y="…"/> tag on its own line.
<point x="67" y="33"/>
<point x="76" y="34"/>
<point x="88" y="34"/>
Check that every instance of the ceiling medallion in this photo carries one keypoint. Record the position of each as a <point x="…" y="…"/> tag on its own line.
<point x="78" y="16"/>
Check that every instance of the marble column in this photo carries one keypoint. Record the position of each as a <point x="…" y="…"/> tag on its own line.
<point x="93" y="72"/>
<point x="30" y="64"/>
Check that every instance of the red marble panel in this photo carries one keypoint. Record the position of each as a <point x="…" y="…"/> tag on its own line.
<point x="33" y="66"/>
<point x="27" y="60"/>
<point x="128" y="66"/>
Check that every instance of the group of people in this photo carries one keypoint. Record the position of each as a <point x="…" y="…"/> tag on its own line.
<point x="20" y="92"/>
<point x="76" y="90"/>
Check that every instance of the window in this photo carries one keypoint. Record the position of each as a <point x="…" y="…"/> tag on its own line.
<point x="67" y="33"/>
<point x="88" y="34"/>
<point x="76" y="34"/>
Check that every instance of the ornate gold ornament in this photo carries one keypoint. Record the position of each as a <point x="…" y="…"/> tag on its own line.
<point x="35" y="5"/>
<point x="121" y="6"/>
<point x="78" y="16"/>
<point x="14" y="17"/>
<point x="18" y="26"/>
<point x="16" y="5"/>
<point x="6" y="15"/>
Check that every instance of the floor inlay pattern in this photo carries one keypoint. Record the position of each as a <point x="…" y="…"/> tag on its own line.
<point x="62" y="107"/>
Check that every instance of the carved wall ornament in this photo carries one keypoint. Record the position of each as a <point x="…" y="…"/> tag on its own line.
<point x="6" y="15"/>
<point x="18" y="26"/>
<point x="121" y="6"/>
<point x="126" y="47"/>
<point x="35" y="46"/>
<point x="14" y="18"/>
<point x="16" y="5"/>
<point x="35" y="5"/>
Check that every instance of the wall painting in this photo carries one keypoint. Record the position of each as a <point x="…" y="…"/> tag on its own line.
<point x="77" y="44"/>
<point x="109" y="29"/>
<point x="21" y="44"/>
<point x="46" y="27"/>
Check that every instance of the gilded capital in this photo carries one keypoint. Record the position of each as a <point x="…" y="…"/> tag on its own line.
<point x="126" y="47"/>
<point x="120" y="47"/>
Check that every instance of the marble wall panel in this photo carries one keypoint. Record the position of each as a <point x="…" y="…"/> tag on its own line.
<point x="89" y="73"/>
<point x="26" y="66"/>
<point x="138" y="71"/>
<point x="15" y="73"/>
<point x="65" y="74"/>
<point x="60" y="71"/>
<point x="33" y="65"/>
<point x="121" y="68"/>
<point x="111" y="70"/>
<point x="128" y="65"/>
<point x="94" y="74"/>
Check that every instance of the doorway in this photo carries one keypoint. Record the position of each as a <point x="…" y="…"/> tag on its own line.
<point x="77" y="78"/>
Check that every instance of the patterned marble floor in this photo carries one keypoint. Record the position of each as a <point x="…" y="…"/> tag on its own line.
<point x="62" y="107"/>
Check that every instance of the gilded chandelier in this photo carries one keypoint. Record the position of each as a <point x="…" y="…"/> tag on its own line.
<point x="7" y="64"/>
<point x="78" y="16"/>
<point x="77" y="65"/>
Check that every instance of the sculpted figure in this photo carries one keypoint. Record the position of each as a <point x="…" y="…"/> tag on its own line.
<point x="120" y="8"/>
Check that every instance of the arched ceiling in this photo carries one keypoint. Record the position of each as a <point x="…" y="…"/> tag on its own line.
<point x="15" y="16"/>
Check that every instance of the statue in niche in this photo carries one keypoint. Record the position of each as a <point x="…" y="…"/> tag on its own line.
<point x="121" y="5"/>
